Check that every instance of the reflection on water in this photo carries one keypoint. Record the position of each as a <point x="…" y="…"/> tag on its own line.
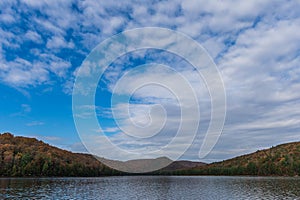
<point x="151" y="187"/>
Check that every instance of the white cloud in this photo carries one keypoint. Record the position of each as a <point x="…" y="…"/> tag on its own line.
<point x="7" y="18"/>
<point x="59" y="42"/>
<point x="22" y="73"/>
<point x="255" y="44"/>
<point x="33" y="36"/>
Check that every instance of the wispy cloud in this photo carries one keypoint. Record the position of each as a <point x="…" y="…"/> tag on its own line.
<point x="24" y="110"/>
<point x="35" y="123"/>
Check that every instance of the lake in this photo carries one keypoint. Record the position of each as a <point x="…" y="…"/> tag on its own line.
<point x="151" y="187"/>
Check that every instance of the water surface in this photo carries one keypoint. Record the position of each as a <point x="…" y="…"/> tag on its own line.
<point x="151" y="187"/>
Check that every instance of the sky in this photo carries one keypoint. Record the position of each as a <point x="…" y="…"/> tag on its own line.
<point x="254" y="44"/>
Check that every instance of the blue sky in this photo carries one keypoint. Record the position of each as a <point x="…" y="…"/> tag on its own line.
<point x="255" y="45"/>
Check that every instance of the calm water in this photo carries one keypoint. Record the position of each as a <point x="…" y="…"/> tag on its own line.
<point x="150" y="187"/>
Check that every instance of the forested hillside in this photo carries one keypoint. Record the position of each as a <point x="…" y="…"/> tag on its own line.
<point x="21" y="156"/>
<point x="282" y="160"/>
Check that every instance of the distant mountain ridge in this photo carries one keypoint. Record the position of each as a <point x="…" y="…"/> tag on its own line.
<point x="141" y="165"/>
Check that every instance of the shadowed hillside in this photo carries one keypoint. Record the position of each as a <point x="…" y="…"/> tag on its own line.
<point x="144" y="165"/>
